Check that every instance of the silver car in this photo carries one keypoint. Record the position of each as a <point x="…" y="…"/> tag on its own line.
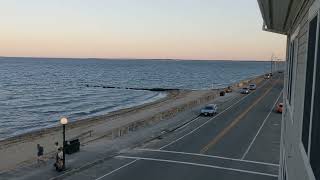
<point x="252" y="86"/>
<point x="209" y="110"/>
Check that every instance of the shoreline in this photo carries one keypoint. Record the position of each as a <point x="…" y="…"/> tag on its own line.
<point x="169" y="93"/>
<point x="111" y="125"/>
<point x="37" y="131"/>
<point x="81" y="121"/>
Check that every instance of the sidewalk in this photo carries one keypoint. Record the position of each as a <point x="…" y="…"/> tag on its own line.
<point x="22" y="149"/>
<point x="103" y="149"/>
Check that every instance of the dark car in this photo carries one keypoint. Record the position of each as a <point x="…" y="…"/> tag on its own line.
<point x="245" y="90"/>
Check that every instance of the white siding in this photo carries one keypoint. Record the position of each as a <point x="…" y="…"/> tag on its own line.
<point x="293" y="152"/>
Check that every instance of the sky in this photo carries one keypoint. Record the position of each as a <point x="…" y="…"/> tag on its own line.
<point x="164" y="29"/>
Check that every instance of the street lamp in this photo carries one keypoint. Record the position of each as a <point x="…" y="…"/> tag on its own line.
<point x="64" y="121"/>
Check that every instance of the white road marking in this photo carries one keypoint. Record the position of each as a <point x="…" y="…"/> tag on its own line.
<point x="200" y="165"/>
<point x="264" y="121"/>
<point x="128" y="164"/>
<point x="210" y="156"/>
<point x="189" y="123"/>
<point x="137" y="159"/>
<point x="209" y="120"/>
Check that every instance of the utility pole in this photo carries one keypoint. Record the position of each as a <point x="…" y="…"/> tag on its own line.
<point x="271" y="63"/>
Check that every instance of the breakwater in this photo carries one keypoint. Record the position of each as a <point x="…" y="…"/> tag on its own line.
<point x="132" y="88"/>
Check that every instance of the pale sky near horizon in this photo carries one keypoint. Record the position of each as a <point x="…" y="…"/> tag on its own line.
<point x="178" y="29"/>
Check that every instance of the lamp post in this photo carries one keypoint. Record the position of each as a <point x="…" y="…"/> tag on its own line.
<point x="64" y="121"/>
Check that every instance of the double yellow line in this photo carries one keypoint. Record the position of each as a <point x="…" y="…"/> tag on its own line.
<point x="217" y="138"/>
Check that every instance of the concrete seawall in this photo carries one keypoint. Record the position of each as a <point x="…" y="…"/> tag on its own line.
<point x="120" y="131"/>
<point x="167" y="114"/>
<point x="21" y="150"/>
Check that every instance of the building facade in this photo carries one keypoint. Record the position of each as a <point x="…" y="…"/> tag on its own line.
<point x="299" y="20"/>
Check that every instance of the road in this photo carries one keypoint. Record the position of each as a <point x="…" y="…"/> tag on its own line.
<point x="240" y="143"/>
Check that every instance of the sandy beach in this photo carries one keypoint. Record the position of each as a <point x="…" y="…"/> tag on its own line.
<point x="21" y="150"/>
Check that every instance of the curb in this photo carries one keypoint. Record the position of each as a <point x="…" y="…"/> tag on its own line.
<point x="85" y="166"/>
<point x="113" y="154"/>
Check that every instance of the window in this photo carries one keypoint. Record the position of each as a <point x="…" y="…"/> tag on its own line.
<point x="309" y="82"/>
<point x="315" y="131"/>
<point x="290" y="70"/>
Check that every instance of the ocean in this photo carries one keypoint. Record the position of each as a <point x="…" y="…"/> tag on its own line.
<point x="36" y="92"/>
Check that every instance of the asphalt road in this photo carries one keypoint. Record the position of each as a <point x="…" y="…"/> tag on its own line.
<point x="242" y="142"/>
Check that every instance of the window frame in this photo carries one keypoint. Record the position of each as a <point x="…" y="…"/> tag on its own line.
<point x="312" y="14"/>
<point x="292" y="60"/>
<point x="289" y="70"/>
<point x="306" y="145"/>
<point x="314" y="11"/>
<point x="314" y="118"/>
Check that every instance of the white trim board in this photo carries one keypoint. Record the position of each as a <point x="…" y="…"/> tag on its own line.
<point x="295" y="34"/>
<point x="313" y="10"/>
<point x="305" y="160"/>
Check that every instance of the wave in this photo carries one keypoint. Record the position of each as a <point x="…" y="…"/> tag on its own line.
<point x="43" y="92"/>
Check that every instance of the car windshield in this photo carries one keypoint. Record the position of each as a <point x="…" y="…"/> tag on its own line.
<point x="209" y="107"/>
<point x="245" y="88"/>
<point x="252" y="85"/>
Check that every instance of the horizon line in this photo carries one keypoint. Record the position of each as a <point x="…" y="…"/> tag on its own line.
<point x="171" y="59"/>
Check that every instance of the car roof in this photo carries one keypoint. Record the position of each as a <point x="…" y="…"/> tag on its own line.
<point x="211" y="105"/>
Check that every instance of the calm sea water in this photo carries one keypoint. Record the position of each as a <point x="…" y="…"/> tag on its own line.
<point x="35" y="93"/>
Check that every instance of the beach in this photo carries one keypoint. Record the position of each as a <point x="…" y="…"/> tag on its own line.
<point x="21" y="150"/>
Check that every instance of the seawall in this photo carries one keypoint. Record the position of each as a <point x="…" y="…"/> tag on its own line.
<point x="21" y="150"/>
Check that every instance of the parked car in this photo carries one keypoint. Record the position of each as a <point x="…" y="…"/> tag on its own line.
<point x="209" y="110"/>
<point x="279" y="108"/>
<point x="245" y="90"/>
<point x="228" y="89"/>
<point x="252" y="86"/>
<point x="222" y="93"/>
<point x="267" y="76"/>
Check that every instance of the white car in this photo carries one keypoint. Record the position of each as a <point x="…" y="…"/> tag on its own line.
<point x="252" y="86"/>
<point x="209" y="110"/>
<point x="245" y="90"/>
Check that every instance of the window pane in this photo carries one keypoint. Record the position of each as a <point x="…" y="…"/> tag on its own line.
<point x="309" y="83"/>
<point x="315" y="132"/>
<point x="290" y="71"/>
